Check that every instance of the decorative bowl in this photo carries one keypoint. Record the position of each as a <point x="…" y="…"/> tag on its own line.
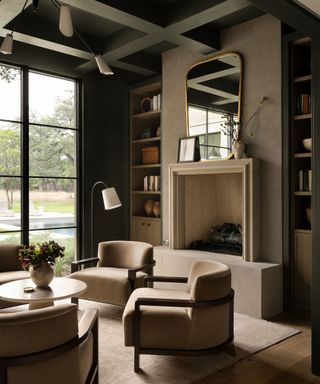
<point x="307" y="144"/>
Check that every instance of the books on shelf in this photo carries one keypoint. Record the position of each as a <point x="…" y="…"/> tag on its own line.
<point x="303" y="104"/>
<point x="151" y="183"/>
<point x="305" y="180"/>
<point x="156" y="102"/>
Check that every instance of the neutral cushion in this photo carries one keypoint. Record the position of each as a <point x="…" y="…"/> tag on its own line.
<point x="9" y="257"/>
<point x="6" y="277"/>
<point x="106" y="284"/>
<point x="164" y="327"/>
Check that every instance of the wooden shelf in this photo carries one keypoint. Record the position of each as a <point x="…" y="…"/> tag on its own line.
<point x="303" y="193"/>
<point x="146" y="218"/>
<point x="147" y="140"/>
<point x="302" y="78"/>
<point x="303" y="117"/>
<point x="147" y="192"/>
<point x="147" y="115"/>
<point x="302" y="155"/>
<point x="142" y="166"/>
<point x="300" y="230"/>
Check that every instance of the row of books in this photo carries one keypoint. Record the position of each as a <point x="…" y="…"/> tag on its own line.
<point x="305" y="180"/>
<point x="156" y="102"/>
<point x="303" y="104"/>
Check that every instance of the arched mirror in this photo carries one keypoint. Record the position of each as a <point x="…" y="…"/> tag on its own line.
<point x="213" y="99"/>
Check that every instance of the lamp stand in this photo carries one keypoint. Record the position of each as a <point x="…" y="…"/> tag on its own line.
<point x="91" y="229"/>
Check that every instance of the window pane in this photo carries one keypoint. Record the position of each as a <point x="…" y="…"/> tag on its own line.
<point x="11" y="238"/>
<point x="52" y="203"/>
<point x="10" y="93"/>
<point x="9" y="149"/>
<point x="10" y="209"/>
<point x="52" y="100"/>
<point x="197" y="121"/>
<point x="214" y="121"/>
<point x="52" y="151"/>
<point x="64" y="237"/>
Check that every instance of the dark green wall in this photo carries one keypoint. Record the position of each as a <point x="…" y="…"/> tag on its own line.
<point x="105" y="155"/>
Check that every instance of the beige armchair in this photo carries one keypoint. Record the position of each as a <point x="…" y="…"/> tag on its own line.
<point x="196" y="321"/>
<point x="10" y="267"/>
<point x="49" y="346"/>
<point x="119" y="269"/>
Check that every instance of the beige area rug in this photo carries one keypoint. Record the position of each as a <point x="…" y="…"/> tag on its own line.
<point x="116" y="360"/>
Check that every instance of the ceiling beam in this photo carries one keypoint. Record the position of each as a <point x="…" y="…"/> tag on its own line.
<point x="291" y="14"/>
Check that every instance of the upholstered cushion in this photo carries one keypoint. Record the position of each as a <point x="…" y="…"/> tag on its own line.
<point x="209" y="280"/>
<point x="124" y="254"/>
<point x="107" y="285"/>
<point x="6" y="277"/>
<point x="9" y="257"/>
<point x="162" y="327"/>
<point x="32" y="331"/>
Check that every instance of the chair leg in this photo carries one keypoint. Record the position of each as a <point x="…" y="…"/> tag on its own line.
<point x="136" y="359"/>
<point x="75" y="300"/>
<point x="231" y="349"/>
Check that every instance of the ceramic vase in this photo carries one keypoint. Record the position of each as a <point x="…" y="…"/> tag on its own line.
<point x="156" y="209"/>
<point x="43" y="275"/>
<point x="238" y="149"/>
<point x="148" y="208"/>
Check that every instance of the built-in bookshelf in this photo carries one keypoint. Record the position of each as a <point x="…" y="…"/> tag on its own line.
<point x="145" y="164"/>
<point x="300" y="171"/>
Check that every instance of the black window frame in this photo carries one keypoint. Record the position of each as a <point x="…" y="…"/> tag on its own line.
<point x="24" y="176"/>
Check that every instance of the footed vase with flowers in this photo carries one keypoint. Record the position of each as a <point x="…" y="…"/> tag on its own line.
<point x="39" y="259"/>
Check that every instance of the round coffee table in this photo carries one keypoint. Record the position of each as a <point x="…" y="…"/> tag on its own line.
<point x="60" y="288"/>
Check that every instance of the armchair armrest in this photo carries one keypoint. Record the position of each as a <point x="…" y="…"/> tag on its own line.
<point x="77" y="265"/>
<point x="87" y="322"/>
<point x="164" y="279"/>
<point x="132" y="272"/>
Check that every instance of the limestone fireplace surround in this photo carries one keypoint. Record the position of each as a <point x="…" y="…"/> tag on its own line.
<point x="257" y="285"/>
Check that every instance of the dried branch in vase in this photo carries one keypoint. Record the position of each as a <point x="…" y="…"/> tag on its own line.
<point x="238" y="131"/>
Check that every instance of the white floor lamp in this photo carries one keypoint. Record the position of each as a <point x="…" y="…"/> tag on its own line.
<point x="110" y="201"/>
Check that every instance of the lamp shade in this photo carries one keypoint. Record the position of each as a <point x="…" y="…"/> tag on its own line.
<point x="65" y="22"/>
<point x="110" y="199"/>
<point x="6" y="46"/>
<point x="103" y="66"/>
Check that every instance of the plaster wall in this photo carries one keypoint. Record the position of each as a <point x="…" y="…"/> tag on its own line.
<point x="259" y="43"/>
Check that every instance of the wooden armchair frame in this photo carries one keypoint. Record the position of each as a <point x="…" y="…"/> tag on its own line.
<point x="13" y="361"/>
<point x="177" y="303"/>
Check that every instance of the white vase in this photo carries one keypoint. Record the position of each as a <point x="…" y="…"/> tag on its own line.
<point x="238" y="149"/>
<point x="43" y="275"/>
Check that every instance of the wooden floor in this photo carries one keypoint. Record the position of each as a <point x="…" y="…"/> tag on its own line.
<point x="288" y="362"/>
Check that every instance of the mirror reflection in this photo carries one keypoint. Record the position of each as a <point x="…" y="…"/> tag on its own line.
<point x="213" y="96"/>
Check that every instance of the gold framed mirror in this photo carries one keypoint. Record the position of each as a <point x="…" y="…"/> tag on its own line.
<point x="213" y="98"/>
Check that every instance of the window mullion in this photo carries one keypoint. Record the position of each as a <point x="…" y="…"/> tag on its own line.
<point x="25" y="156"/>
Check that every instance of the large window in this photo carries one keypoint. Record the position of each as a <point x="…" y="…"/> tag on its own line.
<point x="38" y="159"/>
<point x="206" y="124"/>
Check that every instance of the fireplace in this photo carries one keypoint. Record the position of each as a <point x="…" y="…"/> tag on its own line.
<point x="209" y="194"/>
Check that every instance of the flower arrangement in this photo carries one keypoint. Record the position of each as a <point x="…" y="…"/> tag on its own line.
<point x="34" y="255"/>
<point x="235" y="129"/>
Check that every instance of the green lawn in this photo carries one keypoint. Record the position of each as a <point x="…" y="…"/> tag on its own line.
<point x="50" y="206"/>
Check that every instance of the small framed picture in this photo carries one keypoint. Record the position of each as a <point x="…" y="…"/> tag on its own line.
<point x="189" y="149"/>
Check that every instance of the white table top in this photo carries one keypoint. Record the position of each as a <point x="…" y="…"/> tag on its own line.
<point x="60" y="288"/>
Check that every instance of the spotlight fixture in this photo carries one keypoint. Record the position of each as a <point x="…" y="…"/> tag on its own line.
<point x="65" y="27"/>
